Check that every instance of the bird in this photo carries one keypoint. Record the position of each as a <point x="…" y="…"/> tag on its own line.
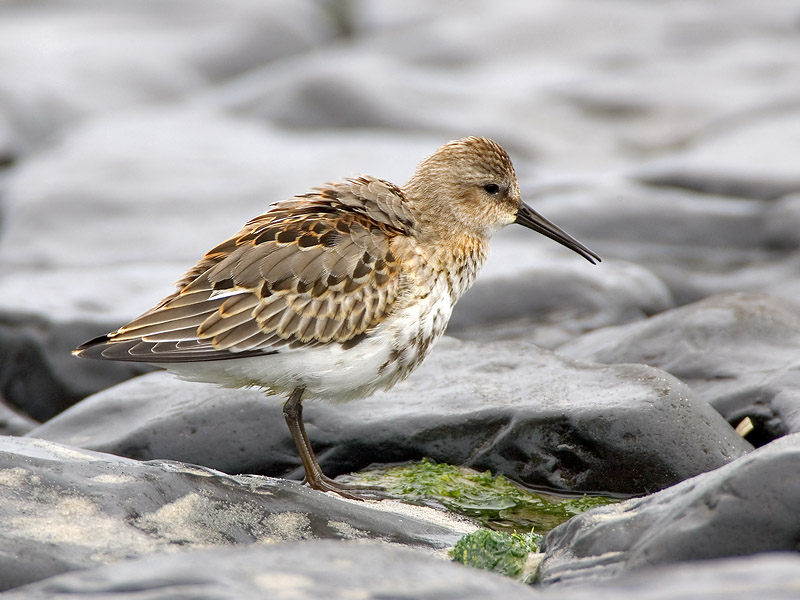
<point x="337" y="292"/>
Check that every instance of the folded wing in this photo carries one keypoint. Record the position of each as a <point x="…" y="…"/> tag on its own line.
<point x="312" y="270"/>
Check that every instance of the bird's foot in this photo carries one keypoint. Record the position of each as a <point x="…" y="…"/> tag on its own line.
<point x="326" y="484"/>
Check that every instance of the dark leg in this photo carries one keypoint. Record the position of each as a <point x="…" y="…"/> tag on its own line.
<point x="293" y="413"/>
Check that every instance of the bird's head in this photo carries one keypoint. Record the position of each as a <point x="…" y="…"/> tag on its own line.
<point x="469" y="186"/>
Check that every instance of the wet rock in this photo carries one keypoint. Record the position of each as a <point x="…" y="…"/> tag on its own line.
<point x="12" y="421"/>
<point x="89" y="66"/>
<point x="696" y="244"/>
<point x="557" y="74"/>
<point x="782" y="222"/>
<point x="509" y="407"/>
<point x="167" y="183"/>
<point x="329" y="90"/>
<point x="648" y="221"/>
<point x="751" y="160"/>
<point x="534" y="290"/>
<point x="760" y="272"/>
<point x="307" y="570"/>
<point x="774" y="575"/>
<point x="64" y="509"/>
<point x="39" y="377"/>
<point x="743" y="508"/>
<point x="738" y="352"/>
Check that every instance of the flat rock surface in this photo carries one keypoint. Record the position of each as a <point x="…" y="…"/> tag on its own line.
<point x="773" y="575"/>
<point x="742" y="508"/>
<point x="739" y="352"/>
<point x="302" y="572"/>
<point x="509" y="407"/>
<point x="724" y="163"/>
<point x="64" y="508"/>
<point x="87" y="67"/>
<point x="309" y="570"/>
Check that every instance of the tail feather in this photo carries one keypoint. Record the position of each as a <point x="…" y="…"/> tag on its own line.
<point x="104" y="347"/>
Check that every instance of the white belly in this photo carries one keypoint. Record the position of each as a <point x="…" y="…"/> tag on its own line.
<point x="384" y="357"/>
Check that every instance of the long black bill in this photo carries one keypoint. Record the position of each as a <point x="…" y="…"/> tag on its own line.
<point x="529" y="218"/>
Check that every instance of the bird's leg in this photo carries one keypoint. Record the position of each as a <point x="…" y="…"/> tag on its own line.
<point x="316" y="479"/>
<point x="293" y="413"/>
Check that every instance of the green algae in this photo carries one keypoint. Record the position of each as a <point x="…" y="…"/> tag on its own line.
<point x="496" y="502"/>
<point x="512" y="555"/>
<point x="499" y="505"/>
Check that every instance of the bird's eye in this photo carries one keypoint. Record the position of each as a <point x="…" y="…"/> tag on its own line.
<point x="491" y="188"/>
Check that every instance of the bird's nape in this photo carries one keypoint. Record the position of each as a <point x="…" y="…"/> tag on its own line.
<point x="527" y="217"/>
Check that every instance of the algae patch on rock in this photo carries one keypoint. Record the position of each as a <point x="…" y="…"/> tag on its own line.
<point x="514" y="555"/>
<point x="496" y="502"/>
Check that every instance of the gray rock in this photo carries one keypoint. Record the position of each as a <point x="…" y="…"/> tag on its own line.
<point x="746" y="507"/>
<point x="534" y="290"/>
<point x="12" y="421"/>
<point x="89" y="65"/>
<point x="695" y="244"/>
<point x="168" y="183"/>
<point x="342" y="570"/>
<point x="509" y="407"/>
<point x="648" y="221"/>
<point x="296" y="571"/>
<point x="38" y="375"/>
<point x="751" y="160"/>
<point x="330" y="90"/>
<point x="64" y="508"/>
<point x="547" y="89"/>
<point x="774" y="575"/>
<point x="782" y="222"/>
<point x="739" y="352"/>
<point x="594" y="101"/>
<point x="762" y="271"/>
<point x="45" y="314"/>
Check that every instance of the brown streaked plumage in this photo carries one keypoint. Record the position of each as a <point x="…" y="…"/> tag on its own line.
<point x="338" y="292"/>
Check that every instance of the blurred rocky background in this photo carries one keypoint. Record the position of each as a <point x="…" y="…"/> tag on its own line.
<point x="665" y="136"/>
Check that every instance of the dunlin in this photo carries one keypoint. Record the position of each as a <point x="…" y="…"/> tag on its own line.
<point x="338" y="292"/>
